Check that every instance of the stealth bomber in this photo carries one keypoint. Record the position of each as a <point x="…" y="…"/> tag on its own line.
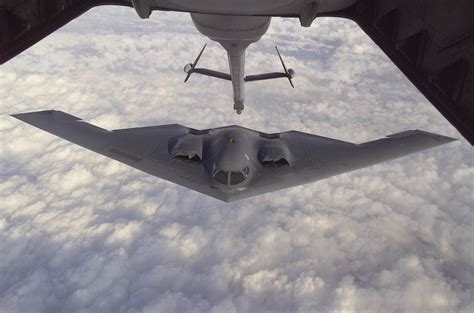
<point x="232" y="162"/>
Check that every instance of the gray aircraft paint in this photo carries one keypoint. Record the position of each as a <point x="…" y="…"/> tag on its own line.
<point x="194" y="158"/>
<point x="304" y="9"/>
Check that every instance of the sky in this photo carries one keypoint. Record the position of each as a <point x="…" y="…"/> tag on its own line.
<point x="82" y="233"/>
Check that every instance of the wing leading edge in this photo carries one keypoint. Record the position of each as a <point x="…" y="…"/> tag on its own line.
<point x="316" y="158"/>
<point x="312" y="157"/>
<point x="143" y="148"/>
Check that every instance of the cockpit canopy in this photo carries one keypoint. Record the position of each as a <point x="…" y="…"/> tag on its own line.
<point x="231" y="178"/>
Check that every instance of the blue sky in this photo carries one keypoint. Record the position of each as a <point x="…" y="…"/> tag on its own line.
<point x="80" y="232"/>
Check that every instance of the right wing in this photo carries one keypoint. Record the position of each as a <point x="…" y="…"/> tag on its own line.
<point x="321" y="158"/>
<point x="315" y="158"/>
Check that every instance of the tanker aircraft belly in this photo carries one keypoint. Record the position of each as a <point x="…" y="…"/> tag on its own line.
<point x="231" y="163"/>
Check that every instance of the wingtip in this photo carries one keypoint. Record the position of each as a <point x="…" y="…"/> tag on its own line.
<point x="449" y="139"/>
<point x="44" y="116"/>
<point x="23" y="116"/>
<point x="439" y="138"/>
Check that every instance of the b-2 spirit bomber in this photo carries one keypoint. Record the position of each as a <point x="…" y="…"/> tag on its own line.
<point x="231" y="163"/>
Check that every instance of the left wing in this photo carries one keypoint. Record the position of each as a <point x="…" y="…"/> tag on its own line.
<point x="143" y="148"/>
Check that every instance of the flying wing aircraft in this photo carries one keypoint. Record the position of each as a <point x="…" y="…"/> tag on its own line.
<point x="231" y="163"/>
<point x="431" y="41"/>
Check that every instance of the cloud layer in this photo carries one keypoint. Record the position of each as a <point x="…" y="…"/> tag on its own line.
<point x="81" y="233"/>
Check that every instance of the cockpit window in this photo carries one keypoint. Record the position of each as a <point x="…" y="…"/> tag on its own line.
<point x="236" y="178"/>
<point x="221" y="177"/>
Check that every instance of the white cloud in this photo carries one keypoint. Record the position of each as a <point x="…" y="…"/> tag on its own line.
<point x="79" y="232"/>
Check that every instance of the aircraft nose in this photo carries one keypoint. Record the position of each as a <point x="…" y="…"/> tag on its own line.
<point x="233" y="165"/>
